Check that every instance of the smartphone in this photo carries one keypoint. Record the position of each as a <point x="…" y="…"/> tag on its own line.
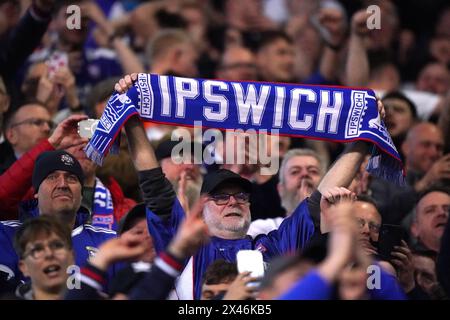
<point x="57" y="60"/>
<point x="86" y="128"/>
<point x="390" y="236"/>
<point x="251" y="260"/>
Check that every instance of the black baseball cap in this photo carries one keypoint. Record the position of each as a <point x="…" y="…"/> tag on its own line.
<point x="164" y="148"/>
<point x="131" y="218"/>
<point x="214" y="179"/>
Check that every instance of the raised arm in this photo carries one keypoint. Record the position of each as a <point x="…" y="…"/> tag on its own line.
<point x="333" y="19"/>
<point x="141" y="151"/>
<point x="357" y="66"/>
<point x="338" y="178"/>
<point x="444" y="121"/>
<point x="345" y="168"/>
<point x="191" y="235"/>
<point x="25" y="37"/>
<point x="342" y="172"/>
<point x="128" y="59"/>
<point x="317" y="284"/>
<point x="158" y="193"/>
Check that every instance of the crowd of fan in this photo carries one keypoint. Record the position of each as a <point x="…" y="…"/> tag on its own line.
<point x="320" y="223"/>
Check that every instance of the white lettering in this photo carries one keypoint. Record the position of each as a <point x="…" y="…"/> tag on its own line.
<point x="184" y="93"/>
<point x="250" y="103"/>
<point x="220" y="99"/>
<point x="279" y="110"/>
<point x="333" y="112"/>
<point x="165" y="96"/>
<point x="307" y="121"/>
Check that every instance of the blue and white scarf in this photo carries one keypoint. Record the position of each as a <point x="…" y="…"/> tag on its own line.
<point x="318" y="112"/>
<point x="103" y="209"/>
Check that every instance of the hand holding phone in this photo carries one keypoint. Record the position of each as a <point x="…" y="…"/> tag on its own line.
<point x="57" y="60"/>
<point x="390" y="236"/>
<point x="86" y="128"/>
<point x="251" y="261"/>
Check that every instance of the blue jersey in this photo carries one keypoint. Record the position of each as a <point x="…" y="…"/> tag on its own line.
<point x="314" y="287"/>
<point x="293" y="234"/>
<point x="85" y="240"/>
<point x="8" y="257"/>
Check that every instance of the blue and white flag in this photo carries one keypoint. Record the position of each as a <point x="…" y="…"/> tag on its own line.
<point x="328" y="113"/>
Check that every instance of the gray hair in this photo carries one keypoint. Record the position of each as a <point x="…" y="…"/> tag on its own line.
<point x="301" y="153"/>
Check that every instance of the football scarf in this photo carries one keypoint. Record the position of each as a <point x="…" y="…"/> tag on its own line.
<point x="327" y="113"/>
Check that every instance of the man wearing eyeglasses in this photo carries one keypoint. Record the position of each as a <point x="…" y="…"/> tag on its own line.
<point x="368" y="220"/>
<point x="226" y="207"/>
<point x="226" y="211"/>
<point x="24" y="129"/>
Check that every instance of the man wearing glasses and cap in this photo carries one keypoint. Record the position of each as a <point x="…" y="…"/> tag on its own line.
<point x="226" y="210"/>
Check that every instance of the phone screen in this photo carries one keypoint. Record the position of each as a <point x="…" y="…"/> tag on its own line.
<point x="390" y="236"/>
<point x="57" y="60"/>
<point x="251" y="261"/>
<point x="86" y="128"/>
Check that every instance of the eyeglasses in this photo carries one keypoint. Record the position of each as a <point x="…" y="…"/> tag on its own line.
<point x="35" y="122"/>
<point x="38" y="251"/>
<point x="372" y="226"/>
<point x="222" y="199"/>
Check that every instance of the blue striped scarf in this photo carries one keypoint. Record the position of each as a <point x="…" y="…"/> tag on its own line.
<point x="337" y="114"/>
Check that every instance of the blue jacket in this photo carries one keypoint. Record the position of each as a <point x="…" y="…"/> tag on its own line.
<point x="85" y="238"/>
<point x="313" y="287"/>
<point x="293" y="234"/>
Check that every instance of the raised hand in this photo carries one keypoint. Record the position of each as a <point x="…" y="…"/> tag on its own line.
<point x="439" y="170"/>
<point x="45" y="5"/>
<point x="328" y="204"/>
<point x="342" y="240"/>
<point x="333" y="196"/>
<point x="333" y="19"/>
<point x="45" y="88"/>
<point x="66" y="134"/>
<point x="381" y="109"/>
<point x="125" y="83"/>
<point x="192" y="233"/>
<point x="359" y="23"/>
<point x="240" y="289"/>
<point x="404" y="266"/>
<point x="305" y="190"/>
<point x="181" y="192"/>
<point x="127" y="247"/>
<point x="65" y="78"/>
